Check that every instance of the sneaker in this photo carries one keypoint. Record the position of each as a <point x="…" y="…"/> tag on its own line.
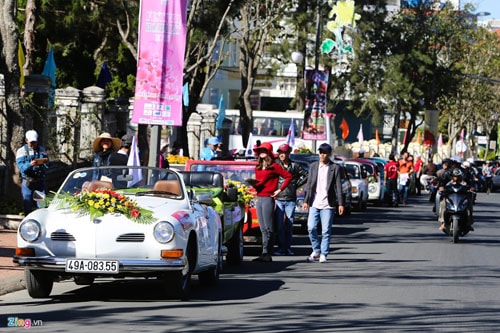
<point x="322" y="258"/>
<point x="314" y="256"/>
<point x="266" y="257"/>
<point x="289" y="252"/>
<point x="279" y="253"/>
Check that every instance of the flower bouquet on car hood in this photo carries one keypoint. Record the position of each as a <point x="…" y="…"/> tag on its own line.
<point x="99" y="202"/>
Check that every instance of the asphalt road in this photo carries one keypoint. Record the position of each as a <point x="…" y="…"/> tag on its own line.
<point x="391" y="270"/>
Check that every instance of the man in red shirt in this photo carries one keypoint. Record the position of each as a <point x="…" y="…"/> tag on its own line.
<point x="417" y="167"/>
<point x="391" y="173"/>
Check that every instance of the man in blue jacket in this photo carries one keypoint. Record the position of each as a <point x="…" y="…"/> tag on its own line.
<point x="32" y="162"/>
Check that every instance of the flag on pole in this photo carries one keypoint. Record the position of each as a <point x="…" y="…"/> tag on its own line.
<point x="185" y="94"/>
<point x="290" y="138"/>
<point x="360" y="135"/>
<point x="49" y="69"/>
<point x="249" y="148"/>
<point x="104" y="76"/>
<point x="377" y="138"/>
<point x="404" y="138"/>
<point x="222" y="113"/>
<point x="21" y="61"/>
<point x="133" y="160"/>
<point x="344" y="126"/>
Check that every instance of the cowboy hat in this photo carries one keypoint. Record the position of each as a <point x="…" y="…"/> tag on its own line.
<point x="267" y="146"/>
<point x="96" y="146"/>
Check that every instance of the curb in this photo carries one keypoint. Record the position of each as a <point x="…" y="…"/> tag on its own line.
<point x="10" y="222"/>
<point x="12" y="284"/>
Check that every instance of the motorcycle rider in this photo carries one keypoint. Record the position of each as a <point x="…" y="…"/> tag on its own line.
<point x="428" y="173"/>
<point x="456" y="175"/>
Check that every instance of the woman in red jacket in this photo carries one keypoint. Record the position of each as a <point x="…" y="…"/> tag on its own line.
<point x="267" y="174"/>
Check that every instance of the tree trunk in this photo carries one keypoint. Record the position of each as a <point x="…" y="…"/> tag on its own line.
<point x="29" y="36"/>
<point x="15" y="120"/>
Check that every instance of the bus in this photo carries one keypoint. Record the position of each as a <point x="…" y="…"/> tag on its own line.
<point x="273" y="127"/>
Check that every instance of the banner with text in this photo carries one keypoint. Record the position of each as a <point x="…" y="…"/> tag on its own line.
<point x="162" y="41"/>
<point x="315" y="113"/>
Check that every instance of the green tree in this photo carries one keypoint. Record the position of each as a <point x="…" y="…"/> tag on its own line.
<point x="475" y="103"/>
<point x="254" y="30"/>
<point x="405" y="61"/>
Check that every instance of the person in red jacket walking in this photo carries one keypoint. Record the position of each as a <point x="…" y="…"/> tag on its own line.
<point x="267" y="174"/>
<point x="391" y="174"/>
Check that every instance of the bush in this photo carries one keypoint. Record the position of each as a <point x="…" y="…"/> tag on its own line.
<point x="10" y="207"/>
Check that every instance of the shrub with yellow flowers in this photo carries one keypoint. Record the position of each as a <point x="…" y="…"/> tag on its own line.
<point x="245" y="193"/>
<point x="99" y="202"/>
<point x="177" y="159"/>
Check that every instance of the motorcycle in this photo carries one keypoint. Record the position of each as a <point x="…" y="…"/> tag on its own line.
<point x="456" y="214"/>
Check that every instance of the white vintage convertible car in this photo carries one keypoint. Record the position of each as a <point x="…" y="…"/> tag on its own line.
<point x="121" y="222"/>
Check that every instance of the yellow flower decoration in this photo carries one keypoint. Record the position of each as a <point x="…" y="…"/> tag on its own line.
<point x="344" y="14"/>
<point x="104" y="201"/>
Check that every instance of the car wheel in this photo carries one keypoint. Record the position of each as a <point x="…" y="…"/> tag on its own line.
<point x="84" y="280"/>
<point x="210" y="277"/>
<point x="38" y="283"/>
<point x="178" y="284"/>
<point x="235" y="247"/>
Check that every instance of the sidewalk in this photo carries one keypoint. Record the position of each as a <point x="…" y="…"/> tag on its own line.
<point x="11" y="275"/>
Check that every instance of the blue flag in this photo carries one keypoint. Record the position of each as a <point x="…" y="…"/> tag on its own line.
<point x="222" y="113"/>
<point x="104" y="77"/>
<point x="49" y="69"/>
<point x="185" y="94"/>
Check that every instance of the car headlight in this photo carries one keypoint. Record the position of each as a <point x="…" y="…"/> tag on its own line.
<point x="164" y="232"/>
<point x="30" y="230"/>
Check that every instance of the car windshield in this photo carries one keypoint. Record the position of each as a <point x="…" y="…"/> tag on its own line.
<point x="353" y="171"/>
<point x="234" y="172"/>
<point x="126" y="180"/>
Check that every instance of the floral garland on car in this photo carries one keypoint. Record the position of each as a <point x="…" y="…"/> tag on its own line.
<point x="246" y="194"/>
<point x="99" y="202"/>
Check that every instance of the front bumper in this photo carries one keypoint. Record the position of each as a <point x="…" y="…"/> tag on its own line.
<point x="132" y="266"/>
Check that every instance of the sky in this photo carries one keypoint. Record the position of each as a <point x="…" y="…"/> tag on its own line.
<point x="491" y="6"/>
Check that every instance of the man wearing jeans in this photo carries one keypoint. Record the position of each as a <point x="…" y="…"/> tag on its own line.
<point x="324" y="193"/>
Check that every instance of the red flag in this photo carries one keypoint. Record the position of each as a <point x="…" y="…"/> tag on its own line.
<point x="377" y="138"/>
<point x="345" y="129"/>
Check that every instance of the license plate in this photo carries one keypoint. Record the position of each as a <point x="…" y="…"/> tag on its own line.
<point x="91" y="266"/>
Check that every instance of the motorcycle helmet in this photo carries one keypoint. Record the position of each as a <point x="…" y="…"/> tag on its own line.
<point x="456" y="173"/>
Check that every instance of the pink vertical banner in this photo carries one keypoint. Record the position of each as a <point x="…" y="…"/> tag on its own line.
<point x="162" y="42"/>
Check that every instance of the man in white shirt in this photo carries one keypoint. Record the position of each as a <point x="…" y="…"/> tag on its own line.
<point x="323" y="195"/>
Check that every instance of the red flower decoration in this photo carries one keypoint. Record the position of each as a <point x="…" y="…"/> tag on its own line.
<point x="135" y="213"/>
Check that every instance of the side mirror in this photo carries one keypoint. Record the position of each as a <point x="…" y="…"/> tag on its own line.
<point x="39" y="196"/>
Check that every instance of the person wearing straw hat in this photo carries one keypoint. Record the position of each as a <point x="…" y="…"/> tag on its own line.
<point x="103" y="146"/>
